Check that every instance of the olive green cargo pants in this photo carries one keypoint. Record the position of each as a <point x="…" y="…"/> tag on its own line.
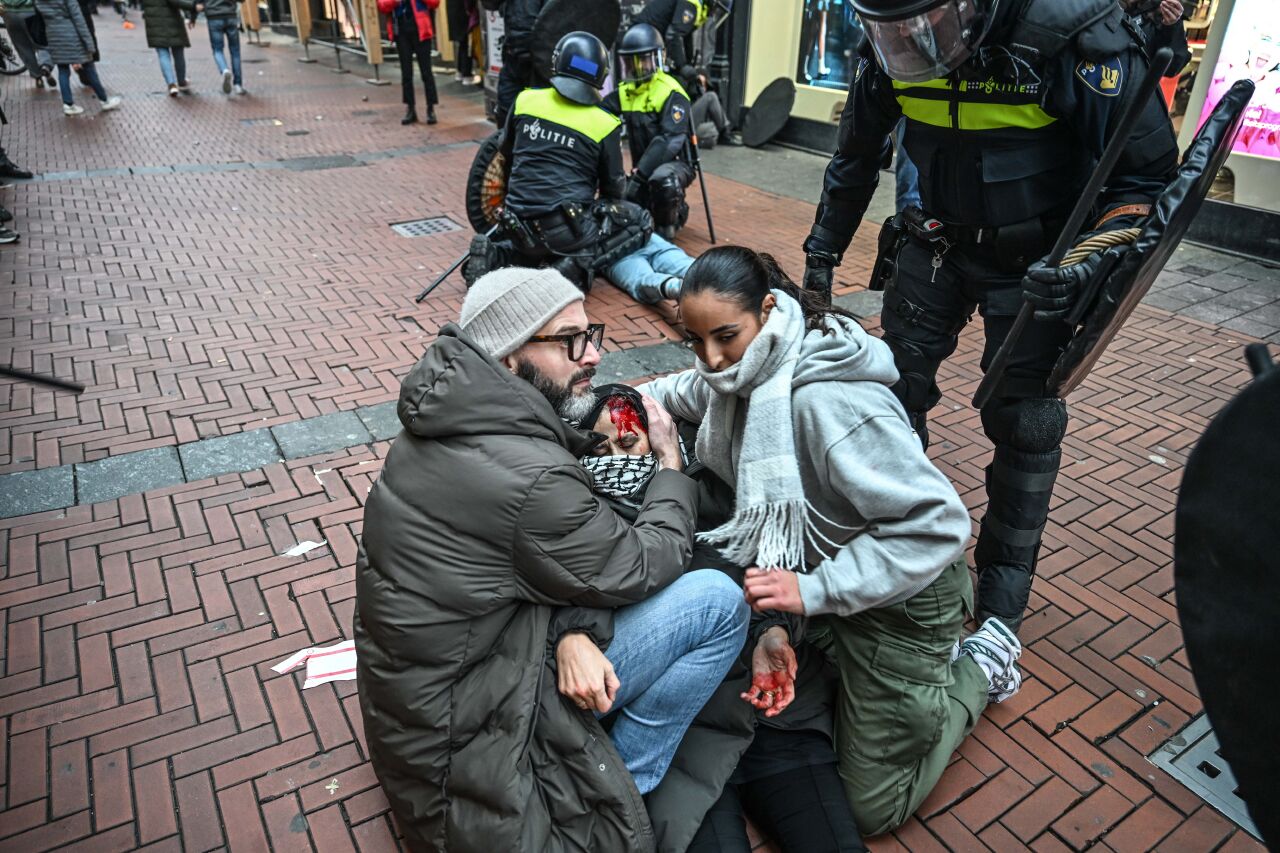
<point x="902" y="707"/>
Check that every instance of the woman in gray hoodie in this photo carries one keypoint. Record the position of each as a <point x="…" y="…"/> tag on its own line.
<point x="843" y="519"/>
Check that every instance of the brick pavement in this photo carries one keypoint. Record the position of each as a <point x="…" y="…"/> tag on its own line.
<point x="136" y="702"/>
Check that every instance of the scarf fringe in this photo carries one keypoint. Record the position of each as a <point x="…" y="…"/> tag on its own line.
<point x="772" y="535"/>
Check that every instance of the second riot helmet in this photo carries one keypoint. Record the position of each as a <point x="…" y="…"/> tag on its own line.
<point x="641" y="52"/>
<point x="579" y="67"/>
<point x="918" y="40"/>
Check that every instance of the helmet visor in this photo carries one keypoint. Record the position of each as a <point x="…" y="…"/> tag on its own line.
<point x="928" y="45"/>
<point x="641" y="66"/>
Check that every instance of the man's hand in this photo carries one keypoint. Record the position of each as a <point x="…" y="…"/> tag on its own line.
<point x="585" y="674"/>
<point x="1053" y="291"/>
<point x="773" y="673"/>
<point x="663" y="439"/>
<point x="1170" y="12"/>
<point x="819" y="276"/>
<point x="773" y="590"/>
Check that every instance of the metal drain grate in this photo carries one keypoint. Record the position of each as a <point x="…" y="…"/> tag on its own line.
<point x="1192" y="758"/>
<point x="425" y="227"/>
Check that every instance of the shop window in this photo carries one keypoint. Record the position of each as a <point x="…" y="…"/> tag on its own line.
<point x="829" y="37"/>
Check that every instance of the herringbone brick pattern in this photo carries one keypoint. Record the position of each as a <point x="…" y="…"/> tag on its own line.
<point x="137" y="705"/>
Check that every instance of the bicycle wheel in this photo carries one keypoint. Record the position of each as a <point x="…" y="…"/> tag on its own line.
<point x="10" y="65"/>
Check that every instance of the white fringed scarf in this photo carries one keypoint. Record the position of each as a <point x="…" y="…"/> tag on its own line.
<point x="771" y="519"/>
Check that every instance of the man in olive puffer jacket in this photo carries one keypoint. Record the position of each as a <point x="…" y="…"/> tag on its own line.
<point x="483" y="557"/>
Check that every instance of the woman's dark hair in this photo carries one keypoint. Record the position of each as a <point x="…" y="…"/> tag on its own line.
<point x="746" y="277"/>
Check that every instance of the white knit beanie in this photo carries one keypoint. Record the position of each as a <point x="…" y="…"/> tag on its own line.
<point x="506" y="307"/>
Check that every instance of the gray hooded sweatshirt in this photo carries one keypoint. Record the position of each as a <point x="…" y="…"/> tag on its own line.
<point x="897" y="520"/>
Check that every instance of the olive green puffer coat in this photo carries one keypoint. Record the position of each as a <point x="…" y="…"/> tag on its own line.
<point x="164" y="23"/>
<point x="480" y="525"/>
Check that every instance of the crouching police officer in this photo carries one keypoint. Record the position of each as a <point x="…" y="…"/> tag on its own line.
<point x="1007" y="106"/>
<point x="656" y="110"/>
<point x="561" y="148"/>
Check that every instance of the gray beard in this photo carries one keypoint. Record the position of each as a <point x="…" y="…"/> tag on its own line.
<point x="568" y="405"/>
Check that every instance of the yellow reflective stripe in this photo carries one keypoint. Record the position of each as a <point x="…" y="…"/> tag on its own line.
<point x="701" y="17"/>
<point x="592" y="122"/>
<point x="996" y="116"/>
<point x="651" y="95"/>
<point x="927" y="111"/>
<point x="972" y="115"/>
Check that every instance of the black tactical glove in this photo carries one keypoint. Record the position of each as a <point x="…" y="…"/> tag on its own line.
<point x="635" y="186"/>
<point x="1053" y="291"/>
<point x="819" y="275"/>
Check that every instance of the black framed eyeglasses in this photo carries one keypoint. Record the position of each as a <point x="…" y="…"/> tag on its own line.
<point x="575" y="343"/>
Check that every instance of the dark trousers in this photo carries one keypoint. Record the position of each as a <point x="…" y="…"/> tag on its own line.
<point x="462" y="54"/>
<point x="665" y="193"/>
<point x="516" y="76"/>
<point x="925" y="309"/>
<point x="804" y="810"/>
<point x="409" y="46"/>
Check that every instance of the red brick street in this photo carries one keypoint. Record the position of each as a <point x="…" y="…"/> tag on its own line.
<point x="209" y="266"/>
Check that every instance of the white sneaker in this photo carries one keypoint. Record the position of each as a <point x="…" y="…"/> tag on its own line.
<point x="111" y="103"/>
<point x="475" y="80"/>
<point x="173" y="90"/>
<point x="238" y="90"/>
<point x="72" y="109"/>
<point x="994" y="648"/>
<point x="226" y="82"/>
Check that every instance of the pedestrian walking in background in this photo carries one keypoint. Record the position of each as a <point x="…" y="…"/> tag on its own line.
<point x="26" y="31"/>
<point x="409" y="26"/>
<point x="167" y="33"/>
<point x="224" y="32"/>
<point x="71" y="42"/>
<point x="460" y="14"/>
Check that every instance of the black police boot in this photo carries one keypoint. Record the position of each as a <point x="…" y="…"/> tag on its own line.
<point x="666" y="232"/>
<point x="410" y="116"/>
<point x="482" y="257"/>
<point x="431" y="114"/>
<point x="10" y="169"/>
<point x="572" y="270"/>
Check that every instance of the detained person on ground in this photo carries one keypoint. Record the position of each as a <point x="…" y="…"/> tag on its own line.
<point x="763" y="743"/>
<point x="484" y="551"/>
<point x="842" y="518"/>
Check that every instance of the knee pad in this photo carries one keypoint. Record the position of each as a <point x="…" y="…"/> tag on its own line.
<point x="666" y="200"/>
<point x="1032" y="425"/>
<point x="573" y="270"/>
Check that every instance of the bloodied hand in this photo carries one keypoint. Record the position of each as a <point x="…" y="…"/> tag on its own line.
<point x="773" y="673"/>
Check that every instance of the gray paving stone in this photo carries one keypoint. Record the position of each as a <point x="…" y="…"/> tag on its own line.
<point x="1209" y="313"/>
<point x="1189" y="292"/>
<point x="1244" y="299"/>
<point x="321" y="434"/>
<point x="127" y="474"/>
<point x="381" y="420"/>
<point x="1245" y="325"/>
<point x="1161" y="299"/>
<point x="862" y="303"/>
<point x="36" y="491"/>
<point x="1257" y="272"/>
<point x="229" y="454"/>
<point x="1189" y="254"/>
<point x="625" y="365"/>
<point x="1222" y="281"/>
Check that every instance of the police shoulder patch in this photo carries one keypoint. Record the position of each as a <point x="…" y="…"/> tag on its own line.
<point x="1106" y="77"/>
<point x="677" y="114"/>
<point x="687" y="17"/>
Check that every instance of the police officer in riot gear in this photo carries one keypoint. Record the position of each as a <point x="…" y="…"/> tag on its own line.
<point x="562" y="148"/>
<point x="676" y="20"/>
<point x="1007" y="106"/>
<point x="657" y="114"/>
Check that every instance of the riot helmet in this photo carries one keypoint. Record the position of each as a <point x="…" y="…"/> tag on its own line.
<point x="918" y="40"/>
<point x="641" y="52"/>
<point x="579" y="66"/>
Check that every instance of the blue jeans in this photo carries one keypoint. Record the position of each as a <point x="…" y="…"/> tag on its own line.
<point x="641" y="273"/>
<point x="90" y="70"/>
<point x="226" y="28"/>
<point x="669" y="653"/>
<point x="908" y="189"/>
<point x="173" y="64"/>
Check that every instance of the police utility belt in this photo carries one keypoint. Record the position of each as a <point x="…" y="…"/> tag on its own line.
<point x="1010" y="248"/>
<point x="533" y="233"/>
